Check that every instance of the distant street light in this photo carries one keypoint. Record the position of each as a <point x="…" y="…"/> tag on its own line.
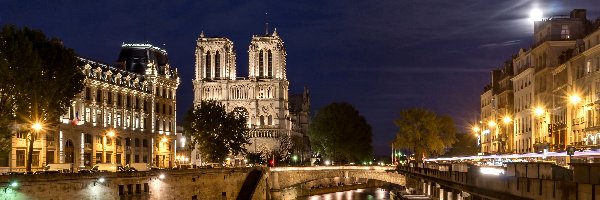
<point x="491" y="123"/>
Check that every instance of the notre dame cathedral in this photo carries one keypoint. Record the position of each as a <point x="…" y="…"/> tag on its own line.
<point x="273" y="115"/>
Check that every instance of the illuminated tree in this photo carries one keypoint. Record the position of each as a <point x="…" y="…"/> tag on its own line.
<point x="215" y="132"/>
<point x="424" y="132"/>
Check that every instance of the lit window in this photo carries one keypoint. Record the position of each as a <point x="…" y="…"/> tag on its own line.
<point x="564" y="32"/>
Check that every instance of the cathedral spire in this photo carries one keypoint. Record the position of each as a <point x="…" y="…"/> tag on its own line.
<point x="267" y="28"/>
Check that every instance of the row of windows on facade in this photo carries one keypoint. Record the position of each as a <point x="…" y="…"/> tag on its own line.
<point x="133" y="83"/>
<point x="129" y="121"/>
<point x="238" y="93"/>
<point x="522" y="83"/>
<point x="50" y="158"/>
<point x="591" y="65"/>
<point x="208" y="64"/>
<point x="522" y="147"/>
<point x="486" y="101"/>
<point x="523" y="102"/>
<point x="50" y="138"/>
<point x="139" y="104"/>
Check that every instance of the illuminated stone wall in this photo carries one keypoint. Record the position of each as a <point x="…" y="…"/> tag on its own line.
<point x="203" y="184"/>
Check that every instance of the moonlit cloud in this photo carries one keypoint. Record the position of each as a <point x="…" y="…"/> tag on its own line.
<point x="501" y="44"/>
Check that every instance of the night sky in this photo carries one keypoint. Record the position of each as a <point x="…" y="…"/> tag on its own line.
<point x="381" y="56"/>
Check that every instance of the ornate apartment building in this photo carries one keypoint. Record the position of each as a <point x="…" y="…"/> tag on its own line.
<point x="262" y="96"/>
<point x="554" y="86"/>
<point x="125" y="114"/>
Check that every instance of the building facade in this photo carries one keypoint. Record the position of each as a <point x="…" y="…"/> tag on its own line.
<point x="262" y="96"/>
<point x="543" y="80"/>
<point x="125" y="114"/>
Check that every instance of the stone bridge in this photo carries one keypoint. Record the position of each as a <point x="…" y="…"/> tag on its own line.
<point x="284" y="178"/>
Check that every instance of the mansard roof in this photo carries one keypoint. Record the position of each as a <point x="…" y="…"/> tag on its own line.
<point x="138" y="58"/>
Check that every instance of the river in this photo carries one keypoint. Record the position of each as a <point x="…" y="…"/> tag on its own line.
<point x="358" y="194"/>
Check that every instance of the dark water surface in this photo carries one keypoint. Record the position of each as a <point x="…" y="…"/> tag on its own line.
<point x="359" y="194"/>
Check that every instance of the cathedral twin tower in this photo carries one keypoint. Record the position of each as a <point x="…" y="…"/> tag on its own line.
<point x="262" y="96"/>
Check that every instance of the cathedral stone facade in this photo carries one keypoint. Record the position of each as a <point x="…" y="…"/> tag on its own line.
<point x="262" y="96"/>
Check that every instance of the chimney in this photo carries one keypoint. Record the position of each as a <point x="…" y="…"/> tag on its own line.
<point x="578" y="13"/>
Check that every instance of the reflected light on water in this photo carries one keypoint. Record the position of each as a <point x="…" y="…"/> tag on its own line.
<point x="381" y="193"/>
<point x="359" y="194"/>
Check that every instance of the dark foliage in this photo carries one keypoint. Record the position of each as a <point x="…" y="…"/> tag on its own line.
<point x="341" y="134"/>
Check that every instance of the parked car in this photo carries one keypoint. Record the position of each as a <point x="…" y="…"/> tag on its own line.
<point x="214" y="165"/>
<point x="47" y="172"/>
<point x="106" y="167"/>
<point x="139" y="166"/>
<point x="85" y="171"/>
<point x="60" y="167"/>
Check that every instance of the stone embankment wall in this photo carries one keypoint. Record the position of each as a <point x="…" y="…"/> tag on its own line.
<point x="214" y="184"/>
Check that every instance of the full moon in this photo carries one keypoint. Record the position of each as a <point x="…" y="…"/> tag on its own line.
<point x="535" y="15"/>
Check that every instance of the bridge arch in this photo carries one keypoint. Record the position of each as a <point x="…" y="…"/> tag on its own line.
<point x="285" y="177"/>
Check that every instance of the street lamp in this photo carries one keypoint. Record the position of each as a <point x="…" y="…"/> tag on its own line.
<point x="37" y="126"/>
<point x="539" y="111"/>
<point x="506" y="119"/>
<point x="110" y="133"/>
<point x="476" y="129"/>
<point x="492" y="124"/>
<point x="574" y="99"/>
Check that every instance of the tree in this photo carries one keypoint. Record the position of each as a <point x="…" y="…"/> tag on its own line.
<point x="341" y="134"/>
<point x="466" y="145"/>
<point x="424" y="132"/>
<point x="39" y="79"/>
<point x="215" y="132"/>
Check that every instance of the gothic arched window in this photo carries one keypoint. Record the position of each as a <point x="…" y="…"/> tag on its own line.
<point x="270" y="63"/>
<point x="207" y="64"/>
<point x="261" y="71"/>
<point x="217" y="65"/>
<point x="262" y="120"/>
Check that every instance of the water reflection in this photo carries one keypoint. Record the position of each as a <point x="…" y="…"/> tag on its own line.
<point x="359" y="194"/>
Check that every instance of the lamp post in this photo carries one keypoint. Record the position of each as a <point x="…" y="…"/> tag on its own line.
<point x="507" y="121"/>
<point x="36" y="127"/>
<point x="574" y="100"/>
<point x="539" y="112"/>
<point x="111" y="134"/>
<point x="492" y="124"/>
<point x="476" y="130"/>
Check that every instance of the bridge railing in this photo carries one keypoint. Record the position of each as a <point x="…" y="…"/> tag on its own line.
<point x="313" y="168"/>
